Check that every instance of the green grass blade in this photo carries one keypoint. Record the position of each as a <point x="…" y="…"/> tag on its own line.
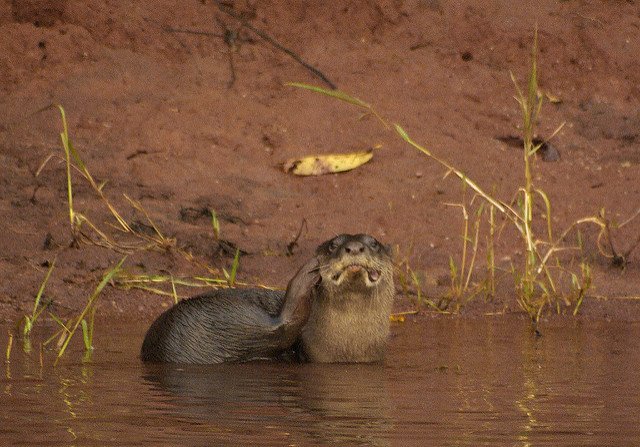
<point x="7" y="357"/>
<point x="173" y="290"/>
<point x="105" y="280"/>
<point x="85" y="335"/>
<point x="28" y="325"/>
<point x="332" y="93"/>
<point x="234" y="268"/>
<point x="215" y="223"/>
<point x="547" y="204"/>
<point x="64" y="136"/>
<point x="68" y="145"/>
<point x="41" y="290"/>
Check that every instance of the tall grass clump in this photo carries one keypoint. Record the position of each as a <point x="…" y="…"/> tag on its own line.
<point x="122" y="237"/>
<point x="86" y="231"/>
<point x="127" y="238"/>
<point x="540" y="272"/>
<point x="531" y="280"/>
<point x="89" y="312"/>
<point x="28" y="321"/>
<point x="66" y="329"/>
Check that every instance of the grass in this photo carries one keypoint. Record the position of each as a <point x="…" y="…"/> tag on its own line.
<point x="541" y="269"/>
<point x="460" y="273"/>
<point x="117" y="236"/>
<point x="411" y="282"/>
<point x="94" y="235"/>
<point x="89" y="309"/>
<point x="28" y="321"/>
<point x="215" y="224"/>
<point x="84" y="230"/>
<point x="85" y="319"/>
<point x="166" y="284"/>
<point x="231" y="276"/>
<point x="7" y="355"/>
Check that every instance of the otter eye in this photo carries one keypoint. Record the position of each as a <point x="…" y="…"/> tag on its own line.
<point x="333" y="246"/>
<point x="374" y="245"/>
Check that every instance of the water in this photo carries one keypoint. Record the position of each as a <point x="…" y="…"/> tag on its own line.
<point x="446" y="382"/>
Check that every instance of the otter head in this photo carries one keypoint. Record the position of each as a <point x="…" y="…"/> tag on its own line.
<point x="349" y="319"/>
<point x="354" y="263"/>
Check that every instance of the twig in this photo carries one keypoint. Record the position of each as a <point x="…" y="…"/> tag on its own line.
<point x="294" y="243"/>
<point x="230" y="38"/>
<point x="225" y="9"/>
<point x="191" y="31"/>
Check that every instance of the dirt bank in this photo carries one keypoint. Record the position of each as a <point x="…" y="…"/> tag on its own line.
<point x="154" y="115"/>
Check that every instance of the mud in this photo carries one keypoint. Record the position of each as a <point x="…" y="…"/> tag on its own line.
<point x="152" y="114"/>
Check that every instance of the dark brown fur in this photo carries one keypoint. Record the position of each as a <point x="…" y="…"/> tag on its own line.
<point x="332" y="311"/>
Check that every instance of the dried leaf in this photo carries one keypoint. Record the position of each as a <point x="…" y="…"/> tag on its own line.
<point x="553" y="99"/>
<point x="326" y="164"/>
<point x="400" y="316"/>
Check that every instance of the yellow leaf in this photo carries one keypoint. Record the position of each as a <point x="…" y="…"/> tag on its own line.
<point x="326" y="164"/>
<point x="400" y="316"/>
<point x="553" y="99"/>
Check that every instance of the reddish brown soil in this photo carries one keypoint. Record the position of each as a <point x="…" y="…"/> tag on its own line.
<point x="152" y="114"/>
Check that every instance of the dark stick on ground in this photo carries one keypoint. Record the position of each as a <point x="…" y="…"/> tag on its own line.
<point x="230" y="38"/>
<point x="294" y="243"/>
<point x="191" y="31"/>
<point x="225" y="9"/>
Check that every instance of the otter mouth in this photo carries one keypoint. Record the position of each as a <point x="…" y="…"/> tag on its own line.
<point x="354" y="271"/>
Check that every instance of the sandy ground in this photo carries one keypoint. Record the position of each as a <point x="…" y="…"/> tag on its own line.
<point x="154" y="114"/>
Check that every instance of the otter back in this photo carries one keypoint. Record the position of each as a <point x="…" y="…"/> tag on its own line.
<point x="230" y="325"/>
<point x="233" y="325"/>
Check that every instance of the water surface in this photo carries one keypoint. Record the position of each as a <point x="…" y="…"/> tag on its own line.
<point x="446" y="382"/>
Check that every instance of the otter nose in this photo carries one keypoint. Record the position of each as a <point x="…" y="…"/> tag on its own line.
<point x="354" y="247"/>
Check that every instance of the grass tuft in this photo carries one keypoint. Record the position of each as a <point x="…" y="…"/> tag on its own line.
<point x="215" y="224"/>
<point x="231" y="276"/>
<point x="28" y="321"/>
<point x="7" y="355"/>
<point x="88" y="309"/>
<point x="537" y="280"/>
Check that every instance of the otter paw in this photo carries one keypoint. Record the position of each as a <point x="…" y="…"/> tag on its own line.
<point x="307" y="277"/>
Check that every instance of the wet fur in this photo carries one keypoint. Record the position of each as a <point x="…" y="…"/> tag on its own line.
<point x="200" y="329"/>
<point x="349" y="322"/>
<point x="344" y="320"/>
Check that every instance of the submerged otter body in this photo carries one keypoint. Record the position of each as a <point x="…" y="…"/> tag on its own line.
<point x="336" y="309"/>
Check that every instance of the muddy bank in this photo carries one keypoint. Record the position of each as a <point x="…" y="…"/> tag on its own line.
<point x="155" y="116"/>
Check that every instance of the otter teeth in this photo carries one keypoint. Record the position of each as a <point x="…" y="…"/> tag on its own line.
<point x="373" y="275"/>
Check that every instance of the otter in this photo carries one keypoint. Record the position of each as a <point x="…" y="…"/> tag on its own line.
<point x="335" y="309"/>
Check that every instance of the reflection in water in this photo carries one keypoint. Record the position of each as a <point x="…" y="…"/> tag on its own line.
<point x="335" y="404"/>
<point x="445" y="382"/>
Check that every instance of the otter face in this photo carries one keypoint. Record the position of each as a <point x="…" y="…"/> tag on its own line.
<point x="354" y="261"/>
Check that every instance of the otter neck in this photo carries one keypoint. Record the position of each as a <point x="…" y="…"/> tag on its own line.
<point x="350" y="325"/>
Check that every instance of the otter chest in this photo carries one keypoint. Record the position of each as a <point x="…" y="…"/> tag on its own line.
<point x="352" y="334"/>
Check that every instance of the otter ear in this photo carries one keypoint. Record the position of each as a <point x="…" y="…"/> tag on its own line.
<point x="330" y="246"/>
<point x="387" y="248"/>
